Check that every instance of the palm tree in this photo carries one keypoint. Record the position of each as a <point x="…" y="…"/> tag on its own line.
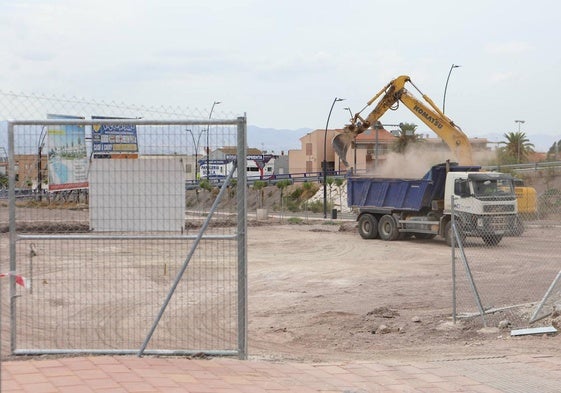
<point x="517" y="147"/>
<point x="406" y="137"/>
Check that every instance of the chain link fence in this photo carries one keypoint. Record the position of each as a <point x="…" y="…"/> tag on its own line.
<point x="130" y="261"/>
<point x="503" y="285"/>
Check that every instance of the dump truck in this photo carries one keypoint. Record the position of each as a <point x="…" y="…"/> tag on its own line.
<point x="394" y="94"/>
<point x="397" y="208"/>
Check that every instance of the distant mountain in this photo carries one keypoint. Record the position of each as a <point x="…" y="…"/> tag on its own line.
<point x="275" y="140"/>
<point x="269" y="139"/>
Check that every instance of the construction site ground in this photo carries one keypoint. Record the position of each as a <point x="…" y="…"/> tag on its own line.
<point x="321" y="296"/>
<point x="319" y="292"/>
<point x="328" y="312"/>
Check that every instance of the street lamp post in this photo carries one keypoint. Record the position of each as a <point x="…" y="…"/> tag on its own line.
<point x="520" y="122"/>
<point x="208" y="141"/>
<point x="325" y="158"/>
<point x="196" y="143"/>
<point x="42" y="136"/>
<point x="446" y="86"/>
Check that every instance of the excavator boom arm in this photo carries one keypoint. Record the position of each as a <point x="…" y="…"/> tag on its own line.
<point x="395" y="92"/>
<point x="456" y="140"/>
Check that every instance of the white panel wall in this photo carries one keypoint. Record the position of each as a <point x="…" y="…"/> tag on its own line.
<point x="142" y="195"/>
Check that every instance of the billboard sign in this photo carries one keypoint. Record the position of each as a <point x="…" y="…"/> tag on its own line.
<point x="67" y="155"/>
<point x="114" y="140"/>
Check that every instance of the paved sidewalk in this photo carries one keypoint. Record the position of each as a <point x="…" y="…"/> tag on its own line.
<point x="219" y="375"/>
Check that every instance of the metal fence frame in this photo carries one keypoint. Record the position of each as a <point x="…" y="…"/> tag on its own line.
<point x="505" y="285"/>
<point x="240" y="237"/>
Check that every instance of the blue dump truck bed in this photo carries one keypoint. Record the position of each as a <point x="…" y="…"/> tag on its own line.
<point x="401" y="194"/>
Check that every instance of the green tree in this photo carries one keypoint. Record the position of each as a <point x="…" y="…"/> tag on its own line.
<point x="517" y="148"/>
<point x="259" y="186"/>
<point x="281" y="185"/>
<point x="205" y="185"/>
<point x="232" y="188"/>
<point x="406" y="137"/>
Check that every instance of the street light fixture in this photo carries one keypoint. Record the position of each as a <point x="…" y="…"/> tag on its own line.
<point x="325" y="158"/>
<point x="196" y="143"/>
<point x="207" y="140"/>
<point x="446" y="86"/>
<point x="520" y="122"/>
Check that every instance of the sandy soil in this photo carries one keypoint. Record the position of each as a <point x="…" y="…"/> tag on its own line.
<point x="318" y="292"/>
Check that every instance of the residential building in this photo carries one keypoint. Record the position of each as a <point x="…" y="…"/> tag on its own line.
<point x="310" y="157"/>
<point x="371" y="148"/>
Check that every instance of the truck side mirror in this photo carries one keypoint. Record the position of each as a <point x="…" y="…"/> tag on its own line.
<point x="461" y="188"/>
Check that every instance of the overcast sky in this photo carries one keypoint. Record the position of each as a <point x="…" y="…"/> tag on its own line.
<point x="283" y="62"/>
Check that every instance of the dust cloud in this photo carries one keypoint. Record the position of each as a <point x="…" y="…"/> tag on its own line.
<point x="417" y="160"/>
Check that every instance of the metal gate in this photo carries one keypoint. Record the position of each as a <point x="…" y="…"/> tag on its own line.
<point x="125" y="254"/>
<point x="504" y="285"/>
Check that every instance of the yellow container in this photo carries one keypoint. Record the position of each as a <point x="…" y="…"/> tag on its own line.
<point x="526" y="199"/>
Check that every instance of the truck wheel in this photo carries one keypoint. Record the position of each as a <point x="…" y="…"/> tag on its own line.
<point x="387" y="228"/>
<point x="368" y="226"/>
<point x="491" y="239"/>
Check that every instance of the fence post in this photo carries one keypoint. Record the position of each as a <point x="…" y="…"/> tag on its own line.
<point x="242" y="238"/>
<point x="453" y="245"/>
<point x="12" y="229"/>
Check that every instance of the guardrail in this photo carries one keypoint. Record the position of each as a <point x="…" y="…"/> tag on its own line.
<point x="533" y="166"/>
<point x="273" y="179"/>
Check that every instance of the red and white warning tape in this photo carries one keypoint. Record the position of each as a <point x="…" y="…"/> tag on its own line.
<point x="20" y="280"/>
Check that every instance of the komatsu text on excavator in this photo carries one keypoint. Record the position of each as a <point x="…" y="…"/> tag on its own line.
<point x="397" y="208"/>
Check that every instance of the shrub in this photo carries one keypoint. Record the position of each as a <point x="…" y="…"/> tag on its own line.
<point x="295" y="220"/>
<point x="315" y="206"/>
<point x="296" y="194"/>
<point x="205" y="185"/>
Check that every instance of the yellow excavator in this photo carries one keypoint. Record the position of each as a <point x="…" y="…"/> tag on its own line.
<point x="394" y="93"/>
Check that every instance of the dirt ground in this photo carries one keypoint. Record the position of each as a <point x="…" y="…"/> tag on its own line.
<point x="318" y="292"/>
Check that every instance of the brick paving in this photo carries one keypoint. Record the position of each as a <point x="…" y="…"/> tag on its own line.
<point x="109" y="374"/>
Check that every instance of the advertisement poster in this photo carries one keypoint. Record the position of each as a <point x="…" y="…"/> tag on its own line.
<point x="67" y="155"/>
<point x="114" y="140"/>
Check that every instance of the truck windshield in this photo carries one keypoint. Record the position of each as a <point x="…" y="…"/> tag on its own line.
<point x="490" y="188"/>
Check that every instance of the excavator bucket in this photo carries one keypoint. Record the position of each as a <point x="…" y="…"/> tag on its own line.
<point x="341" y="144"/>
